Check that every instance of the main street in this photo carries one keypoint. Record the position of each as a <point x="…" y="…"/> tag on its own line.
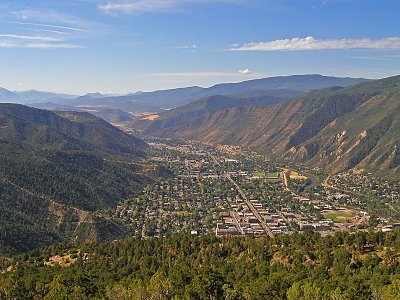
<point x="245" y="198"/>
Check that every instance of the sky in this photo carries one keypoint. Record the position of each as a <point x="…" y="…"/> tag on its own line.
<point x="125" y="46"/>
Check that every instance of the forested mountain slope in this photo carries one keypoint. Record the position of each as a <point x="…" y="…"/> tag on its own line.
<point x="57" y="171"/>
<point x="363" y="265"/>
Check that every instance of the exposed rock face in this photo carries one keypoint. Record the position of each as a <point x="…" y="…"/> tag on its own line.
<point x="335" y="128"/>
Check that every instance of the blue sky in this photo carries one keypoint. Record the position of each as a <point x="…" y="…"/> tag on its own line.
<point x="122" y="46"/>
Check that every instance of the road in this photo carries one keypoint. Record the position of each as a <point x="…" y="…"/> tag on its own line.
<point x="238" y="225"/>
<point x="144" y="236"/>
<point x="286" y="177"/>
<point x="246" y="199"/>
<point x="327" y="185"/>
<point x="285" y="174"/>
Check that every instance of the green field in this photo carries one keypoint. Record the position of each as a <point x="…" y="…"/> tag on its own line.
<point x="258" y="174"/>
<point x="340" y="216"/>
<point x="273" y="175"/>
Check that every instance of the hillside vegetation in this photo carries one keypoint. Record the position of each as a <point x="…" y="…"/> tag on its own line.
<point x="57" y="171"/>
<point x="296" y="267"/>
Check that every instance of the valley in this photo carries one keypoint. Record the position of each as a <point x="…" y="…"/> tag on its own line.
<point x="225" y="222"/>
<point x="200" y="150"/>
<point x="251" y="162"/>
<point x="227" y="197"/>
<point x="227" y="191"/>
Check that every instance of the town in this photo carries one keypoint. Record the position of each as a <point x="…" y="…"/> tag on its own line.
<point x="228" y="191"/>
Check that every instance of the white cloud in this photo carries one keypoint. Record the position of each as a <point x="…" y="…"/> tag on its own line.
<point x="138" y="6"/>
<point x="50" y="46"/>
<point x="8" y="44"/>
<point x="54" y="29"/>
<point x="310" y="43"/>
<point x="187" y="47"/>
<point x="370" y="57"/>
<point x="5" y="44"/>
<point x="48" y="25"/>
<point x="48" y="17"/>
<point x="33" y="41"/>
<point x="380" y="57"/>
<point x="245" y="72"/>
<point x="32" y="38"/>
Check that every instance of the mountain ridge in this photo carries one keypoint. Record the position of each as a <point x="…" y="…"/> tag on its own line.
<point x="297" y="130"/>
<point x="162" y="100"/>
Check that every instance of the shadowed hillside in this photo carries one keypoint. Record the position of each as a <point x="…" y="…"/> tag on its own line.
<point x="57" y="171"/>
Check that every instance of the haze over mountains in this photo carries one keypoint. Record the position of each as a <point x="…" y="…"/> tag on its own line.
<point x="122" y="108"/>
<point x="31" y="96"/>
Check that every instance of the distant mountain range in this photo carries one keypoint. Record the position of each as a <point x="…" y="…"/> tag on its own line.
<point x="335" y="128"/>
<point x="283" y="86"/>
<point x="31" y="96"/>
<point x="57" y="170"/>
<point x="124" y="108"/>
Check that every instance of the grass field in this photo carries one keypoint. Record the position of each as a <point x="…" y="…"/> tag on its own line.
<point x="273" y="175"/>
<point x="258" y="174"/>
<point x="340" y="216"/>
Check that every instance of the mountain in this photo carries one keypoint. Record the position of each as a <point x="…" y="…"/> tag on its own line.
<point x="57" y="172"/>
<point x="200" y="108"/>
<point x="299" y="83"/>
<point x="159" y="101"/>
<point x="31" y="96"/>
<point x="113" y="116"/>
<point x="366" y="137"/>
<point x="95" y="95"/>
<point x="108" y="114"/>
<point x="8" y="96"/>
<point x="335" y="128"/>
<point x="274" y="86"/>
<point x="66" y="131"/>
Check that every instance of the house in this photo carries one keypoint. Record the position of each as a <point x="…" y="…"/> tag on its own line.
<point x="306" y="226"/>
